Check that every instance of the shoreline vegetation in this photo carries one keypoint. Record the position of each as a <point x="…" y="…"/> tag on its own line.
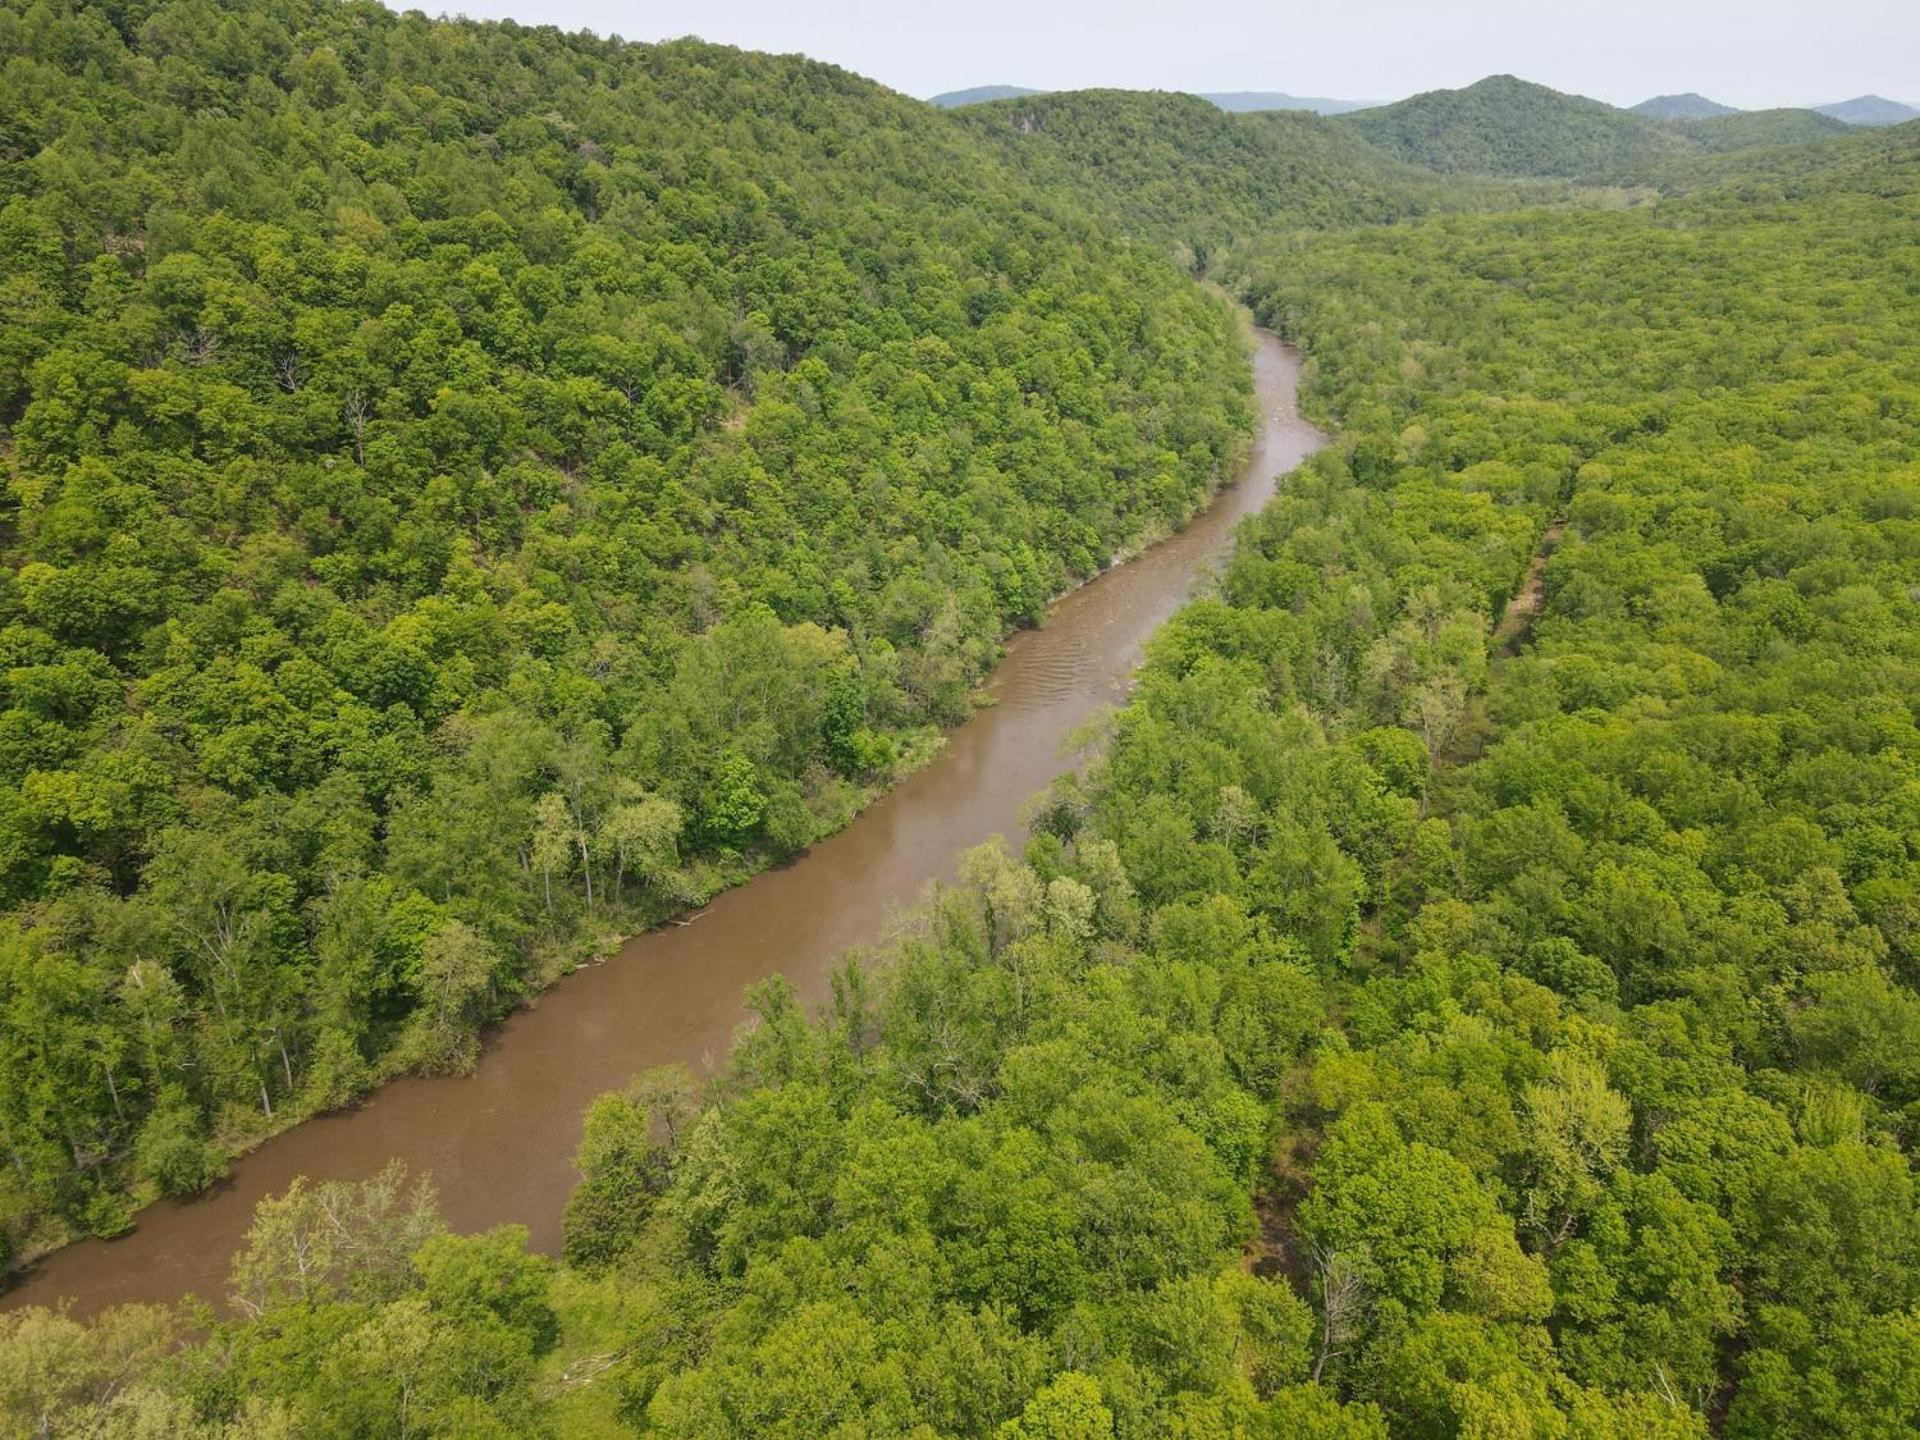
<point x="912" y="751"/>
<point x="439" y="534"/>
<point x="1472" y="990"/>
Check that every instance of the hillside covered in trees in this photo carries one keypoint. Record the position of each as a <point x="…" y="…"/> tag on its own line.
<point x="1505" y="126"/>
<point x="471" y="491"/>
<point x="1173" y="166"/>
<point x="1472" y="991"/>
<point x="1758" y="129"/>
<point x="1448" y="1006"/>
<point x="1685" y="810"/>
<point x="1688" y="106"/>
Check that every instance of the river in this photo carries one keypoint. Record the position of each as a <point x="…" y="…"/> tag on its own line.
<point x="499" y="1142"/>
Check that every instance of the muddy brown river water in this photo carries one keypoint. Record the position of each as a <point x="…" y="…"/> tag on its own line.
<point x="499" y="1142"/>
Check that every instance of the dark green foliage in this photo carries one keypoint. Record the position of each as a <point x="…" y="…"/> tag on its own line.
<point x="1426" y="1015"/>
<point x="1755" y="128"/>
<point x="625" y="1150"/>
<point x="1176" y="167"/>
<point x="472" y="490"/>
<point x="1506" y="126"/>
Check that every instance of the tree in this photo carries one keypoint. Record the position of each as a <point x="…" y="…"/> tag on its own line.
<point x="623" y="1167"/>
<point x="1068" y="1408"/>
<point x="1576" y="1133"/>
<point x="316" y="1243"/>
<point x="173" y="1151"/>
<point x="457" y="989"/>
<point x="643" y="835"/>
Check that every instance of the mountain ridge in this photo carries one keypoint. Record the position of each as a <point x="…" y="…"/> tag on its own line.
<point x="980" y="95"/>
<point x="1248" y="101"/>
<point x="1869" y="110"/>
<point x="1861" y="110"/>
<point x="1234" y="102"/>
<point x="1506" y="126"/>
<point x="1688" y="105"/>
<point x="1503" y="125"/>
<point x="1180" y="169"/>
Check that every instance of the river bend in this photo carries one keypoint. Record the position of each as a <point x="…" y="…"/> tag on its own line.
<point x="499" y="1142"/>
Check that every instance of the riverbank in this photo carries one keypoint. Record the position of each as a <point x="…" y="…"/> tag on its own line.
<point x="498" y="1141"/>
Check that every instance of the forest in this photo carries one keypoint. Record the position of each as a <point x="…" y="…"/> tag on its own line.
<point x="462" y="508"/>
<point x="1504" y="126"/>
<point x="439" y="541"/>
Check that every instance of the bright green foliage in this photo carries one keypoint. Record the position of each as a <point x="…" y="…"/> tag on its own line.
<point x="1424" y="1017"/>
<point x="172" y="1149"/>
<point x="1068" y="1409"/>
<point x="1686" y="806"/>
<point x="471" y="490"/>
<point x="625" y="1148"/>
<point x="1505" y="126"/>
<point x="1177" y="167"/>
<point x="363" y="1318"/>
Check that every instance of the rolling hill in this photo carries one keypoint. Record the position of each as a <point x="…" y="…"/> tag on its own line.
<point x="1507" y="126"/>
<point x="1234" y="101"/>
<point x="1174" y="167"/>
<point x="1240" y="101"/>
<point x="1750" y="129"/>
<point x="979" y="95"/>
<point x="452" y="469"/>
<point x="1511" y="127"/>
<point x="1689" y="106"/>
<point x="336" y="464"/>
<point x="1870" y="110"/>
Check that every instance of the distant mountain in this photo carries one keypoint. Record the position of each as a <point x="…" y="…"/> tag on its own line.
<point x="1506" y="126"/>
<point x="1232" y="101"/>
<point x="1243" y="101"/>
<point x="1748" y="129"/>
<point x="954" y="99"/>
<point x="1869" y="110"/>
<point x="1681" y="107"/>
<point x="1177" y="168"/>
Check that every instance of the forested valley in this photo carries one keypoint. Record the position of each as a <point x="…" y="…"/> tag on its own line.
<point x="474" y="490"/>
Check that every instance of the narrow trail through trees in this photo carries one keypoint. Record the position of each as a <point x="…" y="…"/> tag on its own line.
<point x="1510" y="637"/>
<point x="1516" y="621"/>
<point x="1275" y="1248"/>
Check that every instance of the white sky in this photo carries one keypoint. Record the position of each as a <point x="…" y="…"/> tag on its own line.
<point x="1750" y="53"/>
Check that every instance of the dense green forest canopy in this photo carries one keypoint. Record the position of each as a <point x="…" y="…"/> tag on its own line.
<point x="471" y="490"/>
<point x="1690" y="105"/>
<point x="1687" y="809"/>
<point x="1882" y="161"/>
<point x="1171" y="165"/>
<point x="1445" y="1007"/>
<point x="1753" y="129"/>
<point x="1474" y="990"/>
<point x="1505" y="126"/>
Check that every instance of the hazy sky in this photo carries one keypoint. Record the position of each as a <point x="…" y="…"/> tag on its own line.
<point x="1749" y="53"/>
